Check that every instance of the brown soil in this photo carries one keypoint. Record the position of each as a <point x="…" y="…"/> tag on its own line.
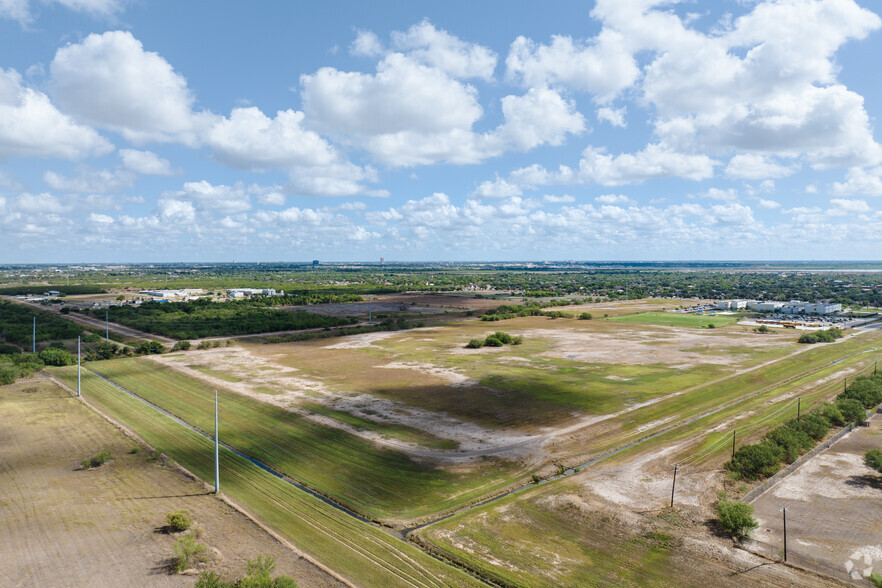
<point x="63" y="526"/>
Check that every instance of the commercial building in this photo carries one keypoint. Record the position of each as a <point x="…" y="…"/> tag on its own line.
<point x="792" y="307"/>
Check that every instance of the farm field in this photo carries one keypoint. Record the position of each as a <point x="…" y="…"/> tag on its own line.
<point x="364" y="554"/>
<point x="65" y="527"/>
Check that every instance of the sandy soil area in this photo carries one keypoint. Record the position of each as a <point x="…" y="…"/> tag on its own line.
<point x="291" y="390"/>
<point x="62" y="526"/>
<point x="676" y="347"/>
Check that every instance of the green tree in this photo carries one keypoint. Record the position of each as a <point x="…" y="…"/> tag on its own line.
<point x="873" y="460"/>
<point x="812" y="424"/>
<point x="791" y="441"/>
<point x="852" y="410"/>
<point x="753" y="461"/>
<point x="736" y="518"/>
<point x="55" y="356"/>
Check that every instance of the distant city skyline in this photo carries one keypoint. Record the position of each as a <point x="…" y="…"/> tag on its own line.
<point x="344" y="131"/>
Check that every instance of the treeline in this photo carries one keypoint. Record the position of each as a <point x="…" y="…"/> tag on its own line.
<point x="823" y="336"/>
<point x="510" y="311"/>
<point x="204" y="318"/>
<point x="17" y="323"/>
<point x="36" y="290"/>
<point x="786" y="443"/>
<point x="305" y="298"/>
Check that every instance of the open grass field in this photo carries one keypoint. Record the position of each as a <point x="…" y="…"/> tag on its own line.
<point x="670" y="319"/>
<point x="61" y="526"/>
<point x="565" y="368"/>
<point x="359" y="551"/>
<point x="634" y="489"/>
<point x="377" y="482"/>
<point x="563" y="535"/>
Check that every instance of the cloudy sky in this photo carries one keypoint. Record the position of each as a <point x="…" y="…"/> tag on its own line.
<point x="160" y="130"/>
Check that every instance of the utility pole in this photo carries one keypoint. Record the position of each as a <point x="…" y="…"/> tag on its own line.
<point x="844" y="384"/>
<point x="733" y="443"/>
<point x="216" y="452"/>
<point x="107" y="324"/>
<point x="34" y="337"/>
<point x="674" y="485"/>
<point x="798" y="408"/>
<point x="370" y="312"/>
<point x="784" y="511"/>
<point x="79" y="361"/>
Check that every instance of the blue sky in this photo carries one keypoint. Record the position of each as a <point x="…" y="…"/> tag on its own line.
<point x="270" y="131"/>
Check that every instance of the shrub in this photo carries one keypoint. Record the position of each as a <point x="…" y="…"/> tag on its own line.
<point x="876" y="579"/>
<point x="8" y="375"/>
<point x="55" y="356"/>
<point x="852" y="410"/>
<point x="711" y="326"/>
<point x="753" y="461"/>
<point x="188" y="552"/>
<point x="736" y="518"/>
<point x="812" y="424"/>
<point x="809" y="338"/>
<point x="211" y="579"/>
<point x="585" y="316"/>
<point x="204" y="345"/>
<point x="517" y="340"/>
<point x="181" y="346"/>
<point x="504" y="337"/>
<point x="793" y="442"/>
<point x="97" y="460"/>
<point x="180" y="520"/>
<point x="91" y="338"/>
<point x="873" y="460"/>
<point x="832" y="414"/>
<point x="763" y="329"/>
<point x="865" y="389"/>
<point x="7" y="349"/>
<point x="492" y="341"/>
<point x="475" y="344"/>
<point x="259" y="575"/>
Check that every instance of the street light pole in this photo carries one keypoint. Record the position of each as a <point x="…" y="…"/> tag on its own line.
<point x="216" y="452"/>
<point x="784" y="511"/>
<point x="79" y="362"/>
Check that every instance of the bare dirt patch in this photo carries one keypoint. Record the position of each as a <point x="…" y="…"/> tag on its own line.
<point x="452" y="377"/>
<point x="103" y="527"/>
<point x="291" y="389"/>
<point x="679" y="348"/>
